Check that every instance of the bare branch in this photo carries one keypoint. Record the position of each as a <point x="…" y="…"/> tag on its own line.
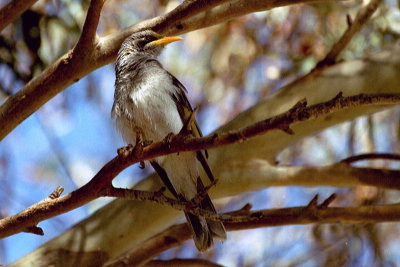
<point x="328" y="201"/>
<point x="185" y="10"/>
<point x="85" y="58"/>
<point x="283" y="121"/>
<point x="321" y="214"/>
<point x="371" y="156"/>
<point x="156" y="197"/>
<point x="354" y="26"/>
<point x="88" y="36"/>
<point x="172" y="237"/>
<point x="233" y="9"/>
<point x="65" y="71"/>
<point x="13" y="10"/>
<point x="182" y="263"/>
<point x="101" y="182"/>
<point x="34" y="230"/>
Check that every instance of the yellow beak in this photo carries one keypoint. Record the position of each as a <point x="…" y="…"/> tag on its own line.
<point x="165" y="40"/>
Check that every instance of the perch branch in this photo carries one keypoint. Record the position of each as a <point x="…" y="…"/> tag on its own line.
<point x="177" y="143"/>
<point x="79" y="62"/>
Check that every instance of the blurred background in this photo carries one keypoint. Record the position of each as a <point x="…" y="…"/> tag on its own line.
<point x="237" y="63"/>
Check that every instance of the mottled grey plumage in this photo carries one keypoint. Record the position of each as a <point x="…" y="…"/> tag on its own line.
<point x="150" y="101"/>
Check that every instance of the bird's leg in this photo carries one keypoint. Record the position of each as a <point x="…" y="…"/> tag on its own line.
<point x="187" y="126"/>
<point x="140" y="143"/>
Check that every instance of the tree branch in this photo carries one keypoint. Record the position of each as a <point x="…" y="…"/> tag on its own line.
<point x="182" y="263"/>
<point x="233" y="9"/>
<point x="79" y="62"/>
<point x="242" y="167"/>
<point x="88" y="39"/>
<point x="310" y="214"/>
<point x="13" y="10"/>
<point x="371" y="156"/>
<point x="186" y="10"/>
<point x="300" y="112"/>
<point x="362" y="17"/>
<point x="64" y="72"/>
<point x="102" y="181"/>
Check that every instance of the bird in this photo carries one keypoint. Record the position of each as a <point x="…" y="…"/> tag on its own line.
<point x="150" y="104"/>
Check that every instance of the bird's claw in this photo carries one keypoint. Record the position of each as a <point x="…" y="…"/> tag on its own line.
<point x="140" y="141"/>
<point x="168" y="139"/>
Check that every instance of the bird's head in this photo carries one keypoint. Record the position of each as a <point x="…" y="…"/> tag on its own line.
<point x="145" y="43"/>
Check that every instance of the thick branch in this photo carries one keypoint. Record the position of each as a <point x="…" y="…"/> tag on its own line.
<point x="76" y="64"/>
<point x="253" y="175"/>
<point x="62" y="73"/>
<point x="310" y="214"/>
<point x="13" y="10"/>
<point x="233" y="9"/>
<point x="185" y="10"/>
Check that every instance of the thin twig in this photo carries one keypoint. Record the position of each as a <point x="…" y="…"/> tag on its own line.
<point x="353" y="27"/>
<point x="371" y="156"/>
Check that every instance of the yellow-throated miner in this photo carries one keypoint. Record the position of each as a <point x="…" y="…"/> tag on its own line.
<point x="150" y="101"/>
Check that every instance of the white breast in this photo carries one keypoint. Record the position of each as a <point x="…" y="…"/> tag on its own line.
<point x="150" y="108"/>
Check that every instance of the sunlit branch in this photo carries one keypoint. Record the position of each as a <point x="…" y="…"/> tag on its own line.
<point x="102" y="181"/>
<point x="12" y="10"/>
<point x="246" y="219"/>
<point x="91" y="54"/>
<point x="87" y="40"/>
<point x="65" y="71"/>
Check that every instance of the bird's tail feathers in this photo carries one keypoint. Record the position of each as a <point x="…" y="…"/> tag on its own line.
<point x="202" y="229"/>
<point x="216" y="227"/>
<point x="201" y="234"/>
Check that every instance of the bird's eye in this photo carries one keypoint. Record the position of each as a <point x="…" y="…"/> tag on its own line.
<point x="145" y="40"/>
<point x="149" y="38"/>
